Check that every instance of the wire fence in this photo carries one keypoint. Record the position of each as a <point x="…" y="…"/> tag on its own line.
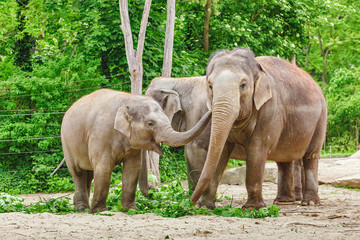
<point x="26" y="148"/>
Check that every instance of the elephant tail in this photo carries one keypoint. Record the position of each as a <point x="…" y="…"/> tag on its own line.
<point x="62" y="163"/>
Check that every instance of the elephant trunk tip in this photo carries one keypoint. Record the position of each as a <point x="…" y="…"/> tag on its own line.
<point x="199" y="189"/>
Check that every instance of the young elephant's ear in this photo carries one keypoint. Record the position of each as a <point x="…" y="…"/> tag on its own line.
<point x="170" y="103"/>
<point x="122" y="121"/>
<point x="262" y="91"/>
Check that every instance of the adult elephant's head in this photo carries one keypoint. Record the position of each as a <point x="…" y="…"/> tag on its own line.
<point x="237" y="87"/>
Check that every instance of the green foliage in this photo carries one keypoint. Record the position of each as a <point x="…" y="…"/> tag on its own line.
<point x="229" y="211"/>
<point x="32" y="106"/>
<point x="10" y="203"/>
<point x="172" y="200"/>
<point x="343" y="98"/>
<point x="267" y="27"/>
<point x="54" y="205"/>
<point x="336" y="27"/>
<point x="172" y="164"/>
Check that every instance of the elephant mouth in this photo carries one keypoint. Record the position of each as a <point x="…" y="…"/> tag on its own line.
<point x="157" y="147"/>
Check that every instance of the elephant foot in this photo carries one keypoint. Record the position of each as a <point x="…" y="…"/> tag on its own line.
<point x="129" y="206"/>
<point x="310" y="199"/>
<point x="253" y="204"/>
<point x="98" y="209"/>
<point x="298" y="195"/>
<point x="81" y="206"/>
<point x="284" y="199"/>
<point x="206" y="203"/>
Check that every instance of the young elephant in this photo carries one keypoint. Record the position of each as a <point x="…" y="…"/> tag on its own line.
<point x="185" y="101"/>
<point x="106" y="128"/>
<point x="274" y="109"/>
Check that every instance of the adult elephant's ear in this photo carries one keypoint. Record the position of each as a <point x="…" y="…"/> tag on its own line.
<point x="262" y="91"/>
<point x="170" y="103"/>
<point x="123" y="120"/>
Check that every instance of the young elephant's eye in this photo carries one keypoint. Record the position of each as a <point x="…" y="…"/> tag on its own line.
<point x="151" y="124"/>
<point x="243" y="85"/>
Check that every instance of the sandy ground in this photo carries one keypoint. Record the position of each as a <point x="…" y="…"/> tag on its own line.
<point x="338" y="217"/>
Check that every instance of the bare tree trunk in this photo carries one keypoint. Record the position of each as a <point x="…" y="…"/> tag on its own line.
<point x="206" y="25"/>
<point x="324" y="53"/>
<point x="169" y="39"/>
<point x="293" y="60"/>
<point x="134" y="58"/>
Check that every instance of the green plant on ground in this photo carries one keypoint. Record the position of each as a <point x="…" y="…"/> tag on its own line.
<point x="9" y="203"/>
<point x="172" y="200"/>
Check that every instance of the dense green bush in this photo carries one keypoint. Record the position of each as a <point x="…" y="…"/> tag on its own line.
<point x="343" y="100"/>
<point x="32" y="105"/>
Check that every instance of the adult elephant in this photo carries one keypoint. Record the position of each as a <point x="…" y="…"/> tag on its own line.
<point x="272" y="108"/>
<point x="185" y="100"/>
<point x="107" y="128"/>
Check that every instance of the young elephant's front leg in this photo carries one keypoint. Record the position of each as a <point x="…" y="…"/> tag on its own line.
<point x="102" y="177"/>
<point x="130" y="176"/>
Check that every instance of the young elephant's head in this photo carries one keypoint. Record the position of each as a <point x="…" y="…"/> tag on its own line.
<point x="146" y="126"/>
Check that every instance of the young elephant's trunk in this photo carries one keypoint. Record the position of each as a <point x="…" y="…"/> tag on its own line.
<point x="172" y="138"/>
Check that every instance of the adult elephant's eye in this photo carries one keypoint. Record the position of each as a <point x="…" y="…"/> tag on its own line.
<point x="210" y="86"/>
<point x="243" y="85"/>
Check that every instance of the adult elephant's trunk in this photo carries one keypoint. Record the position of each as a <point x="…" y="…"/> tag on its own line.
<point x="173" y="138"/>
<point x="225" y="111"/>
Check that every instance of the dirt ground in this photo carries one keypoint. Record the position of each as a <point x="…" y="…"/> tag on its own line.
<point x="338" y="217"/>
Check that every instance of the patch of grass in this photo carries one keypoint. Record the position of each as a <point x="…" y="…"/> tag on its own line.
<point x="170" y="200"/>
<point x="352" y="188"/>
<point x="235" y="163"/>
<point x="10" y="203"/>
<point x="229" y="211"/>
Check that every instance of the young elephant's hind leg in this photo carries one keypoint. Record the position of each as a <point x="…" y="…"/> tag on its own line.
<point x="82" y="181"/>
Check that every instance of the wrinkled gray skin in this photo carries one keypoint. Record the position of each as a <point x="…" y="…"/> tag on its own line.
<point x="106" y="128"/>
<point x="272" y="108"/>
<point x="185" y="101"/>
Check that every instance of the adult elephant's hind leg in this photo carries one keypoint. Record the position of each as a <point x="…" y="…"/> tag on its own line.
<point x="299" y="179"/>
<point x="285" y="183"/>
<point x="311" y="179"/>
<point x="311" y="161"/>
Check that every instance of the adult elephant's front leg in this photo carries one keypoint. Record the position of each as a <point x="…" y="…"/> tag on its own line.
<point x="130" y="176"/>
<point x="208" y="199"/>
<point x="255" y="168"/>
